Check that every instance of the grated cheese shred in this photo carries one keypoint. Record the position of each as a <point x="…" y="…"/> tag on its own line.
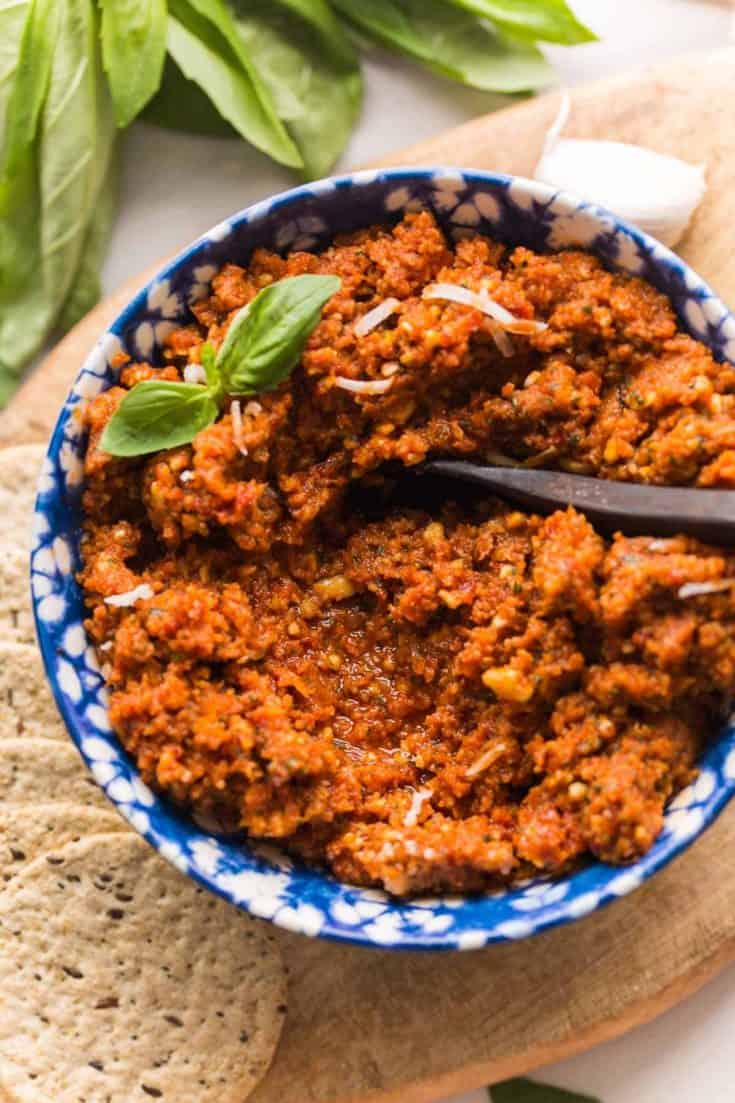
<point x="463" y="296"/>
<point x="194" y="373"/>
<point x="237" y="430"/>
<point x="375" y="317"/>
<point x="417" y="801"/>
<point x="363" y="386"/>
<point x="697" y="589"/>
<point x="138" y="593"/>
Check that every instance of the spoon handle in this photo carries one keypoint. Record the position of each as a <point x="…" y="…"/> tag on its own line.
<point x="630" y="508"/>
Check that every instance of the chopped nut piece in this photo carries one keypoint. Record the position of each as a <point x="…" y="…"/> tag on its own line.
<point x="334" y="589"/>
<point x="508" y="684"/>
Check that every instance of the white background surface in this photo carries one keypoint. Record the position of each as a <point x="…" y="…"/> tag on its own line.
<point x="175" y="186"/>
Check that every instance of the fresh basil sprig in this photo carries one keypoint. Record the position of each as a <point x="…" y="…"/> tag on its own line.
<point x="263" y="345"/>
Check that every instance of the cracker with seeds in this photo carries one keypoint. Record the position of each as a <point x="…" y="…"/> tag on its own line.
<point x="26" y="704"/>
<point x="39" y="770"/>
<point x="19" y="470"/>
<point x="122" y="981"/>
<point x="27" y="832"/>
<point x="16" y="618"/>
<point x="20" y="467"/>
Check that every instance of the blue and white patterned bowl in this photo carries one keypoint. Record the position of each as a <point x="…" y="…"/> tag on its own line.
<point x="259" y="879"/>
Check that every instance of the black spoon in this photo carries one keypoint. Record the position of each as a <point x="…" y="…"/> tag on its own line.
<point x="631" y="508"/>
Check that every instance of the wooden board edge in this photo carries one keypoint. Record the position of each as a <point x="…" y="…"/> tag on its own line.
<point x="484" y="1074"/>
<point x="544" y="107"/>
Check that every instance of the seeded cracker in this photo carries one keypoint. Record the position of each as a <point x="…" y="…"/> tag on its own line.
<point x="28" y="832"/>
<point x="40" y="770"/>
<point x="19" y="470"/>
<point x="16" y="619"/>
<point x="122" y="981"/>
<point x="20" y="467"/>
<point x="26" y="705"/>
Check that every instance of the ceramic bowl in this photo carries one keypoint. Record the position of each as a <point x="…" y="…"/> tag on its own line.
<point x="260" y="879"/>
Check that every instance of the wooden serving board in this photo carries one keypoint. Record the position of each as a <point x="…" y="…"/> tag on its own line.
<point x="366" y="1026"/>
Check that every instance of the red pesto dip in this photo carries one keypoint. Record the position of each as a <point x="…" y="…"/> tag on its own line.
<point x="441" y="699"/>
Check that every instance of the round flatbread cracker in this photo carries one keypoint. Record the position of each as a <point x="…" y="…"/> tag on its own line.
<point x="26" y="704"/>
<point x="16" y="617"/>
<point x="28" y="832"/>
<point x="20" y="467"/>
<point x="40" y="770"/>
<point x="19" y="470"/>
<point x="122" y="981"/>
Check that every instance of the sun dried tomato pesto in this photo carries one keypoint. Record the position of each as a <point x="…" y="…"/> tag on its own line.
<point x="425" y="701"/>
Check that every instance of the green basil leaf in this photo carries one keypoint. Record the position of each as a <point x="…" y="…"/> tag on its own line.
<point x="13" y="17"/>
<point x="86" y="290"/>
<point x="529" y="1091"/>
<point x="538" y="20"/>
<point x="133" y="52"/>
<point x="157" y="414"/>
<point x="266" y="338"/>
<point x="322" y="20"/>
<point x="31" y="81"/>
<point x="317" y="94"/>
<point x="451" y="42"/>
<point x="180" y="104"/>
<point x="19" y="252"/>
<point x="22" y="317"/>
<point x="204" y="43"/>
<point x="47" y="203"/>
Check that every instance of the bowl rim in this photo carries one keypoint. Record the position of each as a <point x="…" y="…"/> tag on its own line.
<point x="549" y="916"/>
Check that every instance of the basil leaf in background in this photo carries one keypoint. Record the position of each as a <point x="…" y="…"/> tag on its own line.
<point x="31" y="81"/>
<point x="529" y="1091"/>
<point x="46" y="204"/>
<point x="266" y="338"/>
<point x="25" y="28"/>
<point x="316" y="93"/>
<point x="538" y="20"/>
<point x="207" y="58"/>
<point x="213" y="22"/>
<point x="180" y="104"/>
<point x="321" y="18"/>
<point x="133" y="52"/>
<point x="451" y="42"/>
<point x="86" y="289"/>
<point x="13" y="16"/>
<point x="157" y="414"/>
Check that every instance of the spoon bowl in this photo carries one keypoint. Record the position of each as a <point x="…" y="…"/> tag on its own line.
<point x="630" y="508"/>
